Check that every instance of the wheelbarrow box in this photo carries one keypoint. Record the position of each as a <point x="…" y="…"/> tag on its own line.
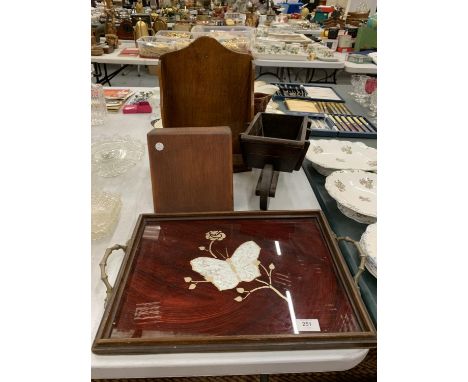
<point x="277" y="139"/>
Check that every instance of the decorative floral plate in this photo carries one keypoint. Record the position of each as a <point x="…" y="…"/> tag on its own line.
<point x="369" y="246"/>
<point x="113" y="156"/>
<point x="355" y="192"/>
<point x="328" y="155"/>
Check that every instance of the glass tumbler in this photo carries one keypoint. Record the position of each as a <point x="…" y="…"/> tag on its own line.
<point x="369" y="88"/>
<point x="354" y="84"/>
<point x="371" y="85"/>
<point x="98" y="105"/>
<point x="373" y="104"/>
<point x="361" y="92"/>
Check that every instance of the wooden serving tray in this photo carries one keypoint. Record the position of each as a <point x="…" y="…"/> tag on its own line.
<point x="236" y="281"/>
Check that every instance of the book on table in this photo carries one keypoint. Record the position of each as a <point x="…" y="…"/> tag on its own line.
<point x="130" y="52"/>
<point x="115" y="98"/>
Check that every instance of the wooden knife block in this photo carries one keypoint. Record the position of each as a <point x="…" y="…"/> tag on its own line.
<point x="191" y="169"/>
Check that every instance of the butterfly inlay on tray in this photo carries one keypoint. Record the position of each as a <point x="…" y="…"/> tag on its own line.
<point x="242" y="266"/>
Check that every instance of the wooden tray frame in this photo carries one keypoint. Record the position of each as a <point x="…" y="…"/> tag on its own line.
<point x="367" y="338"/>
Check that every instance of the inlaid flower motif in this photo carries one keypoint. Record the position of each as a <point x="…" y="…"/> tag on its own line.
<point x="215" y="235"/>
<point x="372" y="163"/>
<point x="339" y="184"/>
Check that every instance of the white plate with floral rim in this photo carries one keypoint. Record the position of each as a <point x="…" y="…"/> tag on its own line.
<point x="328" y="155"/>
<point x="368" y="244"/>
<point x="355" y="192"/>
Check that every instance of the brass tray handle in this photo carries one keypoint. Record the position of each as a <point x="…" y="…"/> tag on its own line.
<point x="362" y="255"/>
<point x="103" y="264"/>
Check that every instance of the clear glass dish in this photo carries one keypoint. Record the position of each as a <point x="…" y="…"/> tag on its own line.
<point x="105" y="212"/>
<point x="113" y="156"/>
<point x="239" y="39"/>
<point x="154" y="47"/>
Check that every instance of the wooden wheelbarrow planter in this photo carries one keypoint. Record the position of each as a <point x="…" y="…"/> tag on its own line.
<point x="274" y="143"/>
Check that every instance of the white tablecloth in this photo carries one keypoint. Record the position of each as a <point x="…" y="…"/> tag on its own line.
<point x="293" y="192"/>
<point x="114" y="58"/>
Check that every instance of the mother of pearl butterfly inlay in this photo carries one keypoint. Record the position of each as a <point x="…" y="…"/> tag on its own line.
<point x="242" y="266"/>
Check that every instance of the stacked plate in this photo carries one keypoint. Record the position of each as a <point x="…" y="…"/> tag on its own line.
<point x="355" y="192"/>
<point x="369" y="246"/>
<point x="328" y="155"/>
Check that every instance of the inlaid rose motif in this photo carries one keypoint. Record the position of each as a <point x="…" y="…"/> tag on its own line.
<point x="215" y="235"/>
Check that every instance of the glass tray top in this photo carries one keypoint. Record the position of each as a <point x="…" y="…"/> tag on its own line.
<point x="232" y="281"/>
<point x="232" y="278"/>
